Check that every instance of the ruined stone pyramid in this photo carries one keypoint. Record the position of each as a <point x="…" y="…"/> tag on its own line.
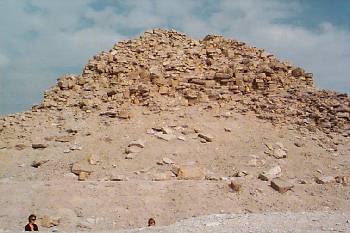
<point x="162" y="69"/>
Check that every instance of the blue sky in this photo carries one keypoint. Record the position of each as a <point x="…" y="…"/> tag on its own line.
<point x="42" y="39"/>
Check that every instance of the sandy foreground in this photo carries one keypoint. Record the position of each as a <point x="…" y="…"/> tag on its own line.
<point x="123" y="193"/>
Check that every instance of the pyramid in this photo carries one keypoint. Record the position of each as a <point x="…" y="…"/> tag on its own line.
<point x="163" y="69"/>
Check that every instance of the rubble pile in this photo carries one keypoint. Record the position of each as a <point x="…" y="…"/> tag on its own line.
<point x="312" y="109"/>
<point x="166" y="69"/>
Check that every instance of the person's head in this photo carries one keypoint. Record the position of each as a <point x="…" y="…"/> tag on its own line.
<point x="32" y="218"/>
<point x="151" y="222"/>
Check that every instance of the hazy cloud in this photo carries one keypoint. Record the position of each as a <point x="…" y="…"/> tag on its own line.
<point x="4" y="61"/>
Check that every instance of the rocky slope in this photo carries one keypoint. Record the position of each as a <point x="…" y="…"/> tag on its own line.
<point x="168" y="127"/>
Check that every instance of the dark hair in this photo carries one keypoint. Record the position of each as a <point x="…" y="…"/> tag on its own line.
<point x="151" y="221"/>
<point x="32" y="216"/>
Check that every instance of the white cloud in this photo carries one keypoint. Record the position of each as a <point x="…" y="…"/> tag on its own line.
<point x="51" y="36"/>
<point x="4" y="61"/>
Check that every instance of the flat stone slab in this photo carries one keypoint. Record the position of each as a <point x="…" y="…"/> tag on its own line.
<point x="325" y="179"/>
<point x="81" y="166"/>
<point x="281" y="185"/>
<point x="274" y="172"/>
<point x="189" y="172"/>
<point x="39" y="145"/>
<point x="206" y="137"/>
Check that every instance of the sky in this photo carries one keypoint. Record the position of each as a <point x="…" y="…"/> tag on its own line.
<point x="40" y="40"/>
